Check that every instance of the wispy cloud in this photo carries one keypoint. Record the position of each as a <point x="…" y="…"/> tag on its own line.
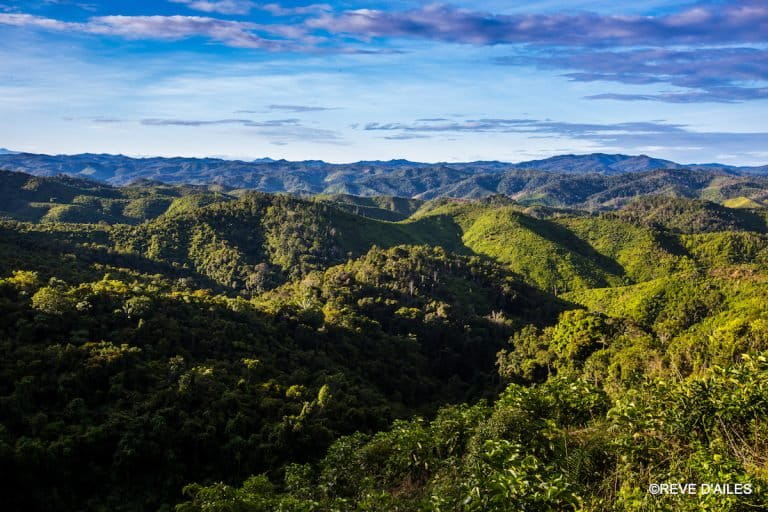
<point x="635" y="136"/>
<point x="232" y="33"/>
<point x="242" y="7"/>
<point x="712" y="74"/>
<point x="282" y="130"/>
<point x="279" y="10"/>
<point x="526" y="126"/>
<point x="713" y="95"/>
<point x="219" y="6"/>
<point x="291" y="109"/>
<point x="406" y="136"/>
<point x="304" y="134"/>
<point x="96" y="119"/>
<point x="298" y="108"/>
<point x="243" y="122"/>
<point x="79" y="5"/>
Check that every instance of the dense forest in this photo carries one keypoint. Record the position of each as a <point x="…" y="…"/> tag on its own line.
<point x="200" y="348"/>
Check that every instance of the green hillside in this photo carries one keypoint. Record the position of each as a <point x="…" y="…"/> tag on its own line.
<point x="378" y="207"/>
<point x="699" y="318"/>
<point x="260" y="240"/>
<point x="691" y="216"/>
<point x="76" y="200"/>
<point x="564" y="251"/>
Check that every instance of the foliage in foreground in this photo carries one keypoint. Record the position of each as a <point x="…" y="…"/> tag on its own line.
<point x="561" y="445"/>
<point x="101" y="380"/>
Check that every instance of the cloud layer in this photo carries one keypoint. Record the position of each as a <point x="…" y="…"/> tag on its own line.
<point x="744" y="21"/>
<point x="712" y="51"/>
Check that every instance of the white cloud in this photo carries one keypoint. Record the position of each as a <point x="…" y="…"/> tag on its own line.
<point x="232" y="33"/>
<point x="242" y="7"/>
<point x="219" y="6"/>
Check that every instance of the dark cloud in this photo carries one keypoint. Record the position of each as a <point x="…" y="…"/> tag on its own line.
<point x="713" y="74"/>
<point x="704" y="23"/>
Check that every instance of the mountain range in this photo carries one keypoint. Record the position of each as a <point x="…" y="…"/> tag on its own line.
<point x="401" y="178"/>
<point x="376" y="189"/>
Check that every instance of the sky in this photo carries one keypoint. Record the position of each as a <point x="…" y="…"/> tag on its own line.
<point x="350" y="80"/>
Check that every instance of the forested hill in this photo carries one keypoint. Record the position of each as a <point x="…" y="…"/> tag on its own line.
<point x="257" y="241"/>
<point x="204" y="348"/>
<point x="588" y="174"/>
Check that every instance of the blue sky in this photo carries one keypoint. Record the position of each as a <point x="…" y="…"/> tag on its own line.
<point x="358" y="79"/>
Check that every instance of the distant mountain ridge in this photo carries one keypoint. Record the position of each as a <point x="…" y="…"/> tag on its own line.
<point x="402" y="178"/>
<point x="390" y="197"/>
<point x="602" y="163"/>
